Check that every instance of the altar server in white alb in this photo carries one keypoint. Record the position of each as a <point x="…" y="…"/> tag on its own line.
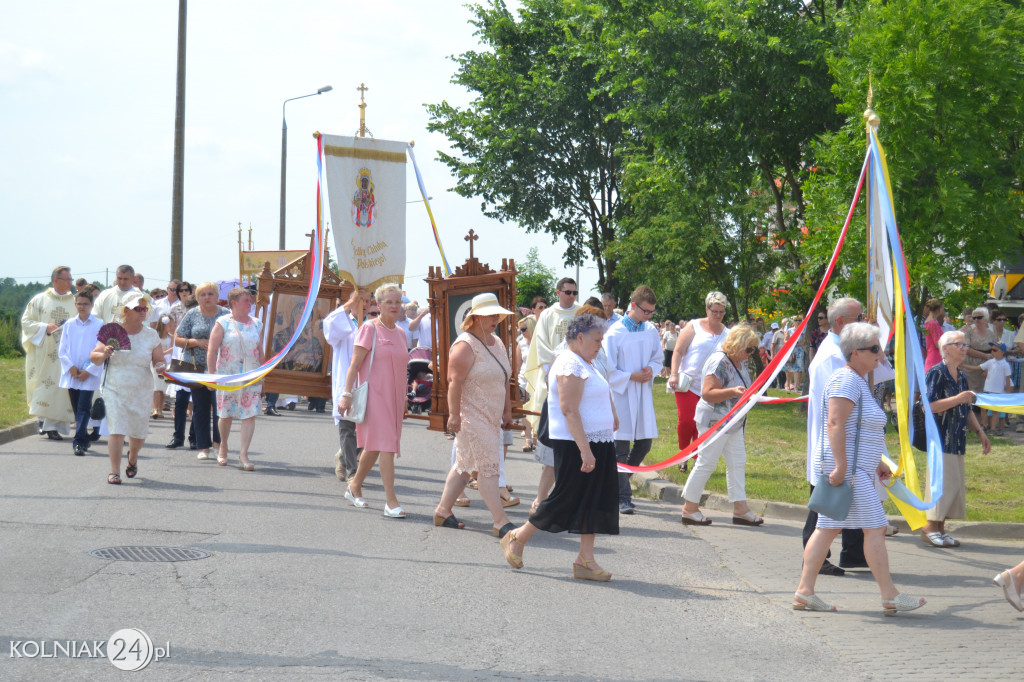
<point x="40" y="334"/>
<point x="633" y="346"/>
<point x="340" y="329"/>
<point x="79" y="375"/>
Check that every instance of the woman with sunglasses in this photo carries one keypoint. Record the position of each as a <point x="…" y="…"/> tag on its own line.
<point x="851" y="451"/>
<point x="128" y="385"/>
<point x="724" y="379"/>
<point x="978" y="335"/>
<point x="696" y="342"/>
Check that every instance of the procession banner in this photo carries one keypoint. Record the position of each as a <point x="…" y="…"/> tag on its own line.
<point x="234" y="382"/>
<point x="251" y="262"/>
<point x="366" y="196"/>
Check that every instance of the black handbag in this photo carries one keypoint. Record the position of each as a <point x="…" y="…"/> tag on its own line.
<point x="920" y="441"/>
<point x="543" y="434"/>
<point x="99" y="409"/>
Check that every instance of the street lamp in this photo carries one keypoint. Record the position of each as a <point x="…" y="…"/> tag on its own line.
<point x="284" y="153"/>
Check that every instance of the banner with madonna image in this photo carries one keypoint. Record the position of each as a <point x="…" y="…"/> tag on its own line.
<point x="366" y="195"/>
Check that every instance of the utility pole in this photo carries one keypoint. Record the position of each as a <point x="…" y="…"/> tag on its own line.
<point x="178" y="191"/>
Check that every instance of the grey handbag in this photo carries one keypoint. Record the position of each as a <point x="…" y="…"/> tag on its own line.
<point x="357" y="410"/>
<point x="830" y="500"/>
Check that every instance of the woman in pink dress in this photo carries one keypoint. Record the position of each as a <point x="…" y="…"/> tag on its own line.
<point x="380" y="356"/>
<point x="934" y="312"/>
<point x="479" y="408"/>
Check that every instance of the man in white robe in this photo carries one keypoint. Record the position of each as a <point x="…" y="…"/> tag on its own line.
<point x="549" y="332"/>
<point x="633" y="347"/>
<point x="827" y="360"/>
<point x="108" y="304"/>
<point x="339" y="330"/>
<point x="40" y="336"/>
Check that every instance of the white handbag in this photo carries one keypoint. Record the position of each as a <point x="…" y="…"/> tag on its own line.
<point x="683" y="382"/>
<point x="356" y="412"/>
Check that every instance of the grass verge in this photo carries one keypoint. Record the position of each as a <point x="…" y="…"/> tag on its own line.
<point x="13" y="409"/>
<point x="777" y="461"/>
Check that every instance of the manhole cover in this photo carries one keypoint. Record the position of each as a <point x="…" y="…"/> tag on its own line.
<point x="149" y="553"/>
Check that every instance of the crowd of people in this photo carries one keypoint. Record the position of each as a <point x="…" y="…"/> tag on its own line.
<point x="586" y="372"/>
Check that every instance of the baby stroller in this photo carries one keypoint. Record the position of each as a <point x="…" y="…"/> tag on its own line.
<point x="421" y="380"/>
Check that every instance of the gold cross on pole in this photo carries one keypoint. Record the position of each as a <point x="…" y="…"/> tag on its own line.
<point x="471" y="237"/>
<point x="362" y="109"/>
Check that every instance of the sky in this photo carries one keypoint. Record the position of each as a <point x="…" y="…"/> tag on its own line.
<point x="87" y="104"/>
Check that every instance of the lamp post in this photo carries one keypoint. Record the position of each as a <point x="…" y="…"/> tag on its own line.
<point x="284" y="153"/>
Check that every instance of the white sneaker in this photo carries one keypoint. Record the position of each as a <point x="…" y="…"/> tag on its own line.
<point x="203" y="454"/>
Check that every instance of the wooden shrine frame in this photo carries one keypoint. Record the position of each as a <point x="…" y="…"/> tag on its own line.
<point x="280" y="296"/>
<point x="449" y="298"/>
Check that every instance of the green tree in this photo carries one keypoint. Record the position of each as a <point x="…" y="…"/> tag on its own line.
<point x="947" y="85"/>
<point x="537" y="145"/>
<point x="534" y="279"/>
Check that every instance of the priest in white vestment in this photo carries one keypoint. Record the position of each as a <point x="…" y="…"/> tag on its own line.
<point x="40" y="334"/>
<point x="633" y="346"/>
<point x="108" y="304"/>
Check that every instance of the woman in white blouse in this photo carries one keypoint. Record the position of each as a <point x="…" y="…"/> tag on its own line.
<point x="582" y="423"/>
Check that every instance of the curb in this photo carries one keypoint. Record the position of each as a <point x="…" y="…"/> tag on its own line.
<point x="11" y="433"/>
<point x="651" y="485"/>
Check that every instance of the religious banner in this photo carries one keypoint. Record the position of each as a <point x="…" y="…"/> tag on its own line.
<point x="366" y="195"/>
<point x="250" y="263"/>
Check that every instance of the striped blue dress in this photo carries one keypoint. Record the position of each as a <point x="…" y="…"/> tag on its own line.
<point x="866" y="511"/>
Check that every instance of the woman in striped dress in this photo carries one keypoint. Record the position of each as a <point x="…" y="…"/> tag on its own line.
<point x="855" y="434"/>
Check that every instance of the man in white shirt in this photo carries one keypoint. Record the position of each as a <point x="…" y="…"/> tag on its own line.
<point x="827" y="360"/>
<point x="633" y="347"/>
<point x="608" y="303"/>
<point x="339" y="330"/>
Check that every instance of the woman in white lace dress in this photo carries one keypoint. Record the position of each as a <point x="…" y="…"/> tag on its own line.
<point x="128" y="385"/>
<point x="582" y="423"/>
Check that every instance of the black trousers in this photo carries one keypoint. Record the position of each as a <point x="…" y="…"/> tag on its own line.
<point x="853" y="539"/>
<point x="204" y="417"/>
<point x="631" y="456"/>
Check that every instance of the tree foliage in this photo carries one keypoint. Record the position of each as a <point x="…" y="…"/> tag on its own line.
<point x="537" y="145"/>
<point x="946" y="78"/>
<point x="534" y="279"/>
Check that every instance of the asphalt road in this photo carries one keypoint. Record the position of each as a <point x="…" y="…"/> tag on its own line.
<point x="299" y="584"/>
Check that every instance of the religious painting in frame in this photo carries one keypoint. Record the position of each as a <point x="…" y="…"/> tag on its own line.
<point x="311" y="352"/>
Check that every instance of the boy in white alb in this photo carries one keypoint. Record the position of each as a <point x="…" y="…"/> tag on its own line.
<point x="633" y="346"/>
<point x="997" y="380"/>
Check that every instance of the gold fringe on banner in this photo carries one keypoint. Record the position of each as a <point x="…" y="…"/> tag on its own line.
<point x="369" y="154"/>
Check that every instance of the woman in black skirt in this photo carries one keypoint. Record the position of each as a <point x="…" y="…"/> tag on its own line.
<point x="582" y="424"/>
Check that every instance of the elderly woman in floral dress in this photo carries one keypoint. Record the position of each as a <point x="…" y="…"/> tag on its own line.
<point x="235" y="348"/>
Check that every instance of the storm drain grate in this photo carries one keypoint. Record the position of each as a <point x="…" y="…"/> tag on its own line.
<point x="149" y="554"/>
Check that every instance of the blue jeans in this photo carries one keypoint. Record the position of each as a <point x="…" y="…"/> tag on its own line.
<point x="81" y="404"/>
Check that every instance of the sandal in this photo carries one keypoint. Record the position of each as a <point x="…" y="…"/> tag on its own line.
<point x="222" y="461"/>
<point x="1005" y="581"/>
<point x="748" y="519"/>
<point x="514" y="560"/>
<point x="499" y="532"/>
<point x="529" y="446"/>
<point x="950" y="541"/>
<point x="448" y="522"/>
<point x="510" y="501"/>
<point x="472" y="484"/>
<point x="698" y="519"/>
<point x="935" y="539"/>
<point x="244" y="466"/>
<point x="902" y="602"/>
<point x="581" y="570"/>
<point x="811" y="602"/>
<point x="462" y="501"/>
<point x="131" y="469"/>
<point x="114" y="479"/>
